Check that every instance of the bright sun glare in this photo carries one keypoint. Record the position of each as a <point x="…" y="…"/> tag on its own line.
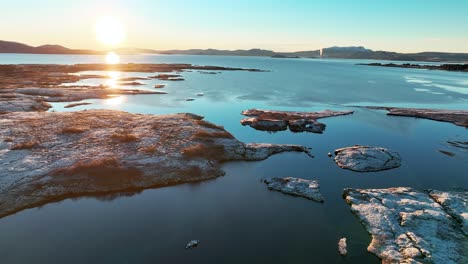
<point x="109" y="31"/>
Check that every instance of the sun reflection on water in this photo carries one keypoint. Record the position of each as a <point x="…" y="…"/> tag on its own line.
<point x="113" y="78"/>
<point x="117" y="100"/>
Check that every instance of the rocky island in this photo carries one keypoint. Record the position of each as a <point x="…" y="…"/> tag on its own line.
<point x="442" y="67"/>
<point x="270" y="120"/>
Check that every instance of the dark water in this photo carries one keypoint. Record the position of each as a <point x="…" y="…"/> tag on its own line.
<point x="235" y="217"/>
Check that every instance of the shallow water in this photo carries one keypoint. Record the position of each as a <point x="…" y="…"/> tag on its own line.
<point x="235" y="217"/>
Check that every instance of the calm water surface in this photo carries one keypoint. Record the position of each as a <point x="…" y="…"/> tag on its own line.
<point x="235" y="217"/>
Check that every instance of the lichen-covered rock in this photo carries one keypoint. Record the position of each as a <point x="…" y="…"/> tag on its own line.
<point x="409" y="226"/>
<point x="52" y="156"/>
<point x="298" y="187"/>
<point x="366" y="159"/>
<point x="269" y="120"/>
<point x="343" y="247"/>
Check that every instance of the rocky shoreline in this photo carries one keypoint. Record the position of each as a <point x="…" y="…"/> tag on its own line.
<point x="457" y="117"/>
<point x="52" y="156"/>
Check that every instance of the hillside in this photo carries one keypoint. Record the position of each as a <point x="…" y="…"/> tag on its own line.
<point x="16" y="47"/>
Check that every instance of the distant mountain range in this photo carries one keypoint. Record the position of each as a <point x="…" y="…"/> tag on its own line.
<point x="16" y="47"/>
<point x="332" y="52"/>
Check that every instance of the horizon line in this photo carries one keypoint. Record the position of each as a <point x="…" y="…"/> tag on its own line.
<point x="257" y="48"/>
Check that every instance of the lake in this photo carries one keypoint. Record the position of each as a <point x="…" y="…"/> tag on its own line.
<point x="235" y="217"/>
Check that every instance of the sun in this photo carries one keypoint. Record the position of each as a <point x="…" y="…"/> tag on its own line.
<point x="109" y="31"/>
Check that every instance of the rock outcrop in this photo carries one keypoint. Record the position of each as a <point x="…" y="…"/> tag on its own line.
<point x="36" y="99"/>
<point x="268" y="120"/>
<point x="366" y="158"/>
<point x="192" y="244"/>
<point x="457" y="117"/>
<point x="168" y="77"/>
<point x="410" y="226"/>
<point x="132" y="79"/>
<point x="131" y="83"/>
<point x="343" y="247"/>
<point x="458" y="144"/>
<point x="48" y="156"/>
<point x="308" y="189"/>
<point x="76" y="104"/>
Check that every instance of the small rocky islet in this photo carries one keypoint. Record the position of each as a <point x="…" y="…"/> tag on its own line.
<point x="367" y="158"/>
<point x="308" y="189"/>
<point x="270" y="120"/>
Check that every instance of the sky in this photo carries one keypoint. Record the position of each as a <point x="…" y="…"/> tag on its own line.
<point x="292" y="25"/>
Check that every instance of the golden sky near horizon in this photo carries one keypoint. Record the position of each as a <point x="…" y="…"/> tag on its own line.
<point x="242" y="24"/>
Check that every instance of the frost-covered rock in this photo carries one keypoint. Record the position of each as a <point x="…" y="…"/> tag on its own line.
<point x="366" y="159"/>
<point x="410" y="226"/>
<point x="298" y="187"/>
<point x="455" y="203"/>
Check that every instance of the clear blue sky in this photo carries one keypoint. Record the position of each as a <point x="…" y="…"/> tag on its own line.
<point x="396" y="25"/>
